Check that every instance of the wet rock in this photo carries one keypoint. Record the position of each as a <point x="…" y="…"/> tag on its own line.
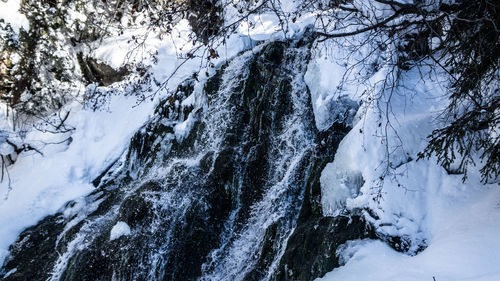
<point x="311" y="249"/>
<point x="223" y="165"/>
<point x="188" y="201"/>
<point x="135" y="210"/>
<point x="99" y="72"/>
<point x="32" y="256"/>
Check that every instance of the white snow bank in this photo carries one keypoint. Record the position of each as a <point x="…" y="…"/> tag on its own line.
<point x="9" y="12"/>
<point x="119" y="229"/>
<point x="465" y="246"/>
<point x="417" y="200"/>
<point x="363" y="154"/>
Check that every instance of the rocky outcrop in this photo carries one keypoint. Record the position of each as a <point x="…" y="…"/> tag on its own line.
<point x="311" y="250"/>
<point x="99" y="72"/>
<point x="236" y="197"/>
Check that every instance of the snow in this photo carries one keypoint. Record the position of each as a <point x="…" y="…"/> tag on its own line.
<point x="9" y="12"/>
<point x="464" y="246"/>
<point x="41" y="185"/>
<point x="119" y="229"/>
<point x="457" y="222"/>
<point x="5" y="148"/>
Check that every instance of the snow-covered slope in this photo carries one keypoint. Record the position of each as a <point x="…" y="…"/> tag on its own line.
<point x="463" y="242"/>
<point x="455" y="223"/>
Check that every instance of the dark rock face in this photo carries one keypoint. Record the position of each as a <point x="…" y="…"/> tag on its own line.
<point x="311" y="249"/>
<point x="237" y="198"/>
<point x="100" y="72"/>
<point x="34" y="247"/>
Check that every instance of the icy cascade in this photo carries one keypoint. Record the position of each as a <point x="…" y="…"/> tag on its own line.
<point x="222" y="189"/>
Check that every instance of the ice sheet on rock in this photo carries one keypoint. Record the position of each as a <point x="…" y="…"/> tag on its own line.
<point x="119" y="229"/>
<point x="343" y="184"/>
